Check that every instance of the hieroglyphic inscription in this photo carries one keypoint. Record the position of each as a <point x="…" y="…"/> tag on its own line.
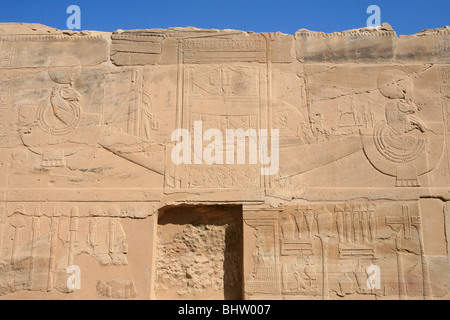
<point x="8" y="51"/>
<point x="328" y="251"/>
<point x="265" y="276"/>
<point x="445" y="96"/>
<point x="86" y="120"/>
<point x="4" y="105"/>
<point x="231" y="50"/>
<point x="223" y="98"/>
<point x="47" y="239"/>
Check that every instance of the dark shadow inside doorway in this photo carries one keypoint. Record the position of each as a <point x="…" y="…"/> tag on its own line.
<point x="200" y="253"/>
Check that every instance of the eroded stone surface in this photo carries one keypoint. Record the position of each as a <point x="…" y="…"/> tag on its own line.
<point x="199" y="253"/>
<point x="357" y="210"/>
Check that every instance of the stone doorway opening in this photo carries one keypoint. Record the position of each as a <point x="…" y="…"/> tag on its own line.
<point x="199" y="253"/>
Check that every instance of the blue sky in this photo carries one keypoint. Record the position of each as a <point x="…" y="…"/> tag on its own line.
<point x="407" y="17"/>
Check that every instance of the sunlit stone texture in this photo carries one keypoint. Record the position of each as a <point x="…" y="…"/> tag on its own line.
<point x="357" y="208"/>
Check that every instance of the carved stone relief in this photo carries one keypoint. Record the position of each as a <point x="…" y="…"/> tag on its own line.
<point x="331" y="251"/>
<point x="90" y="194"/>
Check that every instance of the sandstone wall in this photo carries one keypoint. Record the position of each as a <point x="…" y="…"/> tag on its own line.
<point x="357" y="210"/>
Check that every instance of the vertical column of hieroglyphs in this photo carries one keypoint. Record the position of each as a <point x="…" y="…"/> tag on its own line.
<point x="7" y="57"/>
<point x="445" y="96"/>
<point x="261" y="263"/>
<point x="8" y="49"/>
